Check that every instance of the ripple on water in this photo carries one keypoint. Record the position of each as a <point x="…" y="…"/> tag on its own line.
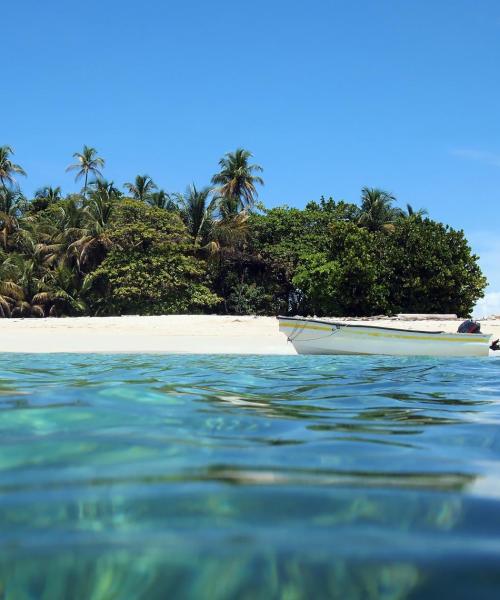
<point x="248" y="476"/>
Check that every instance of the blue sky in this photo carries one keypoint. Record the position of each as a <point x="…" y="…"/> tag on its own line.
<point x="328" y="95"/>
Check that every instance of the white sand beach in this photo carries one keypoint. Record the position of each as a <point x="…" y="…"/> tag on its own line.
<point x="192" y="334"/>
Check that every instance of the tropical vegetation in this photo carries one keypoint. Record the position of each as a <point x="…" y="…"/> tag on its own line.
<point x="214" y="248"/>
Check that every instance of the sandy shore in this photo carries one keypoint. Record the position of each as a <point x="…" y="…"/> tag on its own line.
<point x="193" y="334"/>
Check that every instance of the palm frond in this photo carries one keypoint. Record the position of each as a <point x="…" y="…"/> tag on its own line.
<point x="4" y="307"/>
<point x="37" y="311"/>
<point x="42" y="298"/>
<point x="11" y="289"/>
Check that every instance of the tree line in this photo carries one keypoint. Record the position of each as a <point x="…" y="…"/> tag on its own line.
<point x="142" y="250"/>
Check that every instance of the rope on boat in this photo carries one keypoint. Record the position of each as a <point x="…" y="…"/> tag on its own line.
<point x="297" y="330"/>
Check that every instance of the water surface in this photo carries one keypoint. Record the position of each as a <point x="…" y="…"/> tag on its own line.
<point x="292" y="477"/>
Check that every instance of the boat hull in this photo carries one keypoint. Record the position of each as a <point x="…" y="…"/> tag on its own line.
<point x="311" y="336"/>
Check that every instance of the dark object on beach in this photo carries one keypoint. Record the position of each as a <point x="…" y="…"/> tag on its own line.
<point x="469" y="326"/>
<point x="495" y="345"/>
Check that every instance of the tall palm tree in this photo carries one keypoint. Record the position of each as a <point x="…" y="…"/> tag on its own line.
<point x="237" y="179"/>
<point x="142" y="188"/>
<point x="377" y="212"/>
<point x="8" y="168"/>
<point x="87" y="162"/>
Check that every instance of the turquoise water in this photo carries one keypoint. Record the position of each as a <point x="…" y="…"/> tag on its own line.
<point x="131" y="476"/>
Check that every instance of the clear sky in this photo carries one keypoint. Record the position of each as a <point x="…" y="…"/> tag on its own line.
<point x="328" y="95"/>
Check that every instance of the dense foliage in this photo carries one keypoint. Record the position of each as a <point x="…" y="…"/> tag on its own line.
<point x="211" y="249"/>
<point x="150" y="267"/>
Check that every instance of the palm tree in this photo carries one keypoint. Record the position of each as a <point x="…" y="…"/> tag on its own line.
<point x="19" y="284"/>
<point x="411" y="212"/>
<point x="63" y="292"/>
<point x="48" y="238"/>
<point x="23" y="293"/>
<point x="38" y="240"/>
<point x="70" y="215"/>
<point x="163" y="200"/>
<point x="236" y="179"/>
<point x="44" y="197"/>
<point x="227" y="232"/>
<point x="142" y="188"/>
<point x="377" y="212"/>
<point x="93" y="242"/>
<point x="49" y="193"/>
<point x="197" y="211"/>
<point x="11" y="204"/>
<point x="215" y="230"/>
<point x="105" y="189"/>
<point x="7" y="167"/>
<point x="11" y="201"/>
<point x="87" y="162"/>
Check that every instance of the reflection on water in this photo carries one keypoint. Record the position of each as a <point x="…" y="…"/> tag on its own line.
<point x="248" y="477"/>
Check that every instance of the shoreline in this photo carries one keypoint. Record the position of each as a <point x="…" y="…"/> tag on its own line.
<point x="179" y="334"/>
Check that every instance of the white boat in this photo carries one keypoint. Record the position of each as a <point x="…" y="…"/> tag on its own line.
<point x="314" y="336"/>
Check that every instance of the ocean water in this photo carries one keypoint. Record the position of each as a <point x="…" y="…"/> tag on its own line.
<point x="297" y="477"/>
